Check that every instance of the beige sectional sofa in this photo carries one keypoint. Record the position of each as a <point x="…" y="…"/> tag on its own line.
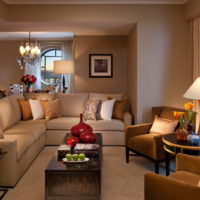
<point x="23" y="140"/>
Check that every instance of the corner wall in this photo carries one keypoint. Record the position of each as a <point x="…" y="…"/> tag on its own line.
<point x="132" y="71"/>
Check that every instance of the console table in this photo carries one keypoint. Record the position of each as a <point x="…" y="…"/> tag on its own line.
<point x="172" y="146"/>
<point x="3" y="190"/>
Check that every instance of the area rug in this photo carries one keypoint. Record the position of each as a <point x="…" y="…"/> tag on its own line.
<point x="120" y="181"/>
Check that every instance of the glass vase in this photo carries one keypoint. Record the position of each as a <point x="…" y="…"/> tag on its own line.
<point x="181" y="133"/>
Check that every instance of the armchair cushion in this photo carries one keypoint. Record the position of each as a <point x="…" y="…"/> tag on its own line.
<point x="160" y="187"/>
<point x="186" y="177"/>
<point x="188" y="163"/>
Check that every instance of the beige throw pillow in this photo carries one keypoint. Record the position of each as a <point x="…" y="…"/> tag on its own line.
<point x="91" y="109"/>
<point x="163" y="126"/>
<point x="36" y="109"/>
<point x="107" y="109"/>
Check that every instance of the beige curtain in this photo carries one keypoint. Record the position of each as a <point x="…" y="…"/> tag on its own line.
<point x="196" y="59"/>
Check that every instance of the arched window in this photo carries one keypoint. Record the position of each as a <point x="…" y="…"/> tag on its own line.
<point x="48" y="58"/>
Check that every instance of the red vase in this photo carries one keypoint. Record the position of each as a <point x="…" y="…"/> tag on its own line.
<point x="88" y="137"/>
<point x="80" y="128"/>
<point x="72" y="141"/>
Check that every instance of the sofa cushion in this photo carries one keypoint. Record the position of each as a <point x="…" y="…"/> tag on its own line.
<point x="106" y="125"/>
<point x="103" y="96"/>
<point x="9" y="112"/>
<point x="39" y="96"/>
<point x="62" y="123"/>
<point x="24" y="142"/>
<point x="186" y="177"/>
<point x="66" y="123"/>
<point x="33" y="129"/>
<point x="72" y="104"/>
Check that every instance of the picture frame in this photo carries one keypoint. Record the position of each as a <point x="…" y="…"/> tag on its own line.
<point x="100" y="65"/>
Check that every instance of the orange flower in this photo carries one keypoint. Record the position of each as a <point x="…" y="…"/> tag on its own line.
<point x="189" y="106"/>
<point x="178" y="115"/>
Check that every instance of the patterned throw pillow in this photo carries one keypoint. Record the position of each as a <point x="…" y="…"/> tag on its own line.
<point x="51" y="109"/>
<point x="91" y="109"/>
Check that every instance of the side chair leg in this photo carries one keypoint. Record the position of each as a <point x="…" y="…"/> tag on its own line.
<point x="156" y="167"/>
<point x="127" y="154"/>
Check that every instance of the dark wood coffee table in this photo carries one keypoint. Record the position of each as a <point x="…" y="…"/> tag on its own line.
<point x="79" y="181"/>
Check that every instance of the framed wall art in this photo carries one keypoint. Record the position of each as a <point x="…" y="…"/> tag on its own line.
<point x="101" y="66"/>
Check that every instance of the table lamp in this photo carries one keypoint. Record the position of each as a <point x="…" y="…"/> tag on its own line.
<point x="63" y="67"/>
<point x="193" y="92"/>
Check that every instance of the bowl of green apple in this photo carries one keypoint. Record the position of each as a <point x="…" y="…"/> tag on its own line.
<point x="75" y="158"/>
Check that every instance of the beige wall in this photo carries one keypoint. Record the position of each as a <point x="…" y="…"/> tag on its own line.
<point x="192" y="9"/>
<point x="116" y="45"/>
<point x="132" y="71"/>
<point x="163" y="71"/>
<point x="10" y="71"/>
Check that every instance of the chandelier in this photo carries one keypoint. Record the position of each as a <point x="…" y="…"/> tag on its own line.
<point x="29" y="53"/>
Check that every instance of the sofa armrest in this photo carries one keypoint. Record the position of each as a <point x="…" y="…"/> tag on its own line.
<point x="159" y="187"/>
<point x="8" y="162"/>
<point x="127" y="119"/>
<point x="135" y="130"/>
<point x="188" y="163"/>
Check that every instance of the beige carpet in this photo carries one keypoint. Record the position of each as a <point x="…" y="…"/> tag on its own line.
<point x="120" y="181"/>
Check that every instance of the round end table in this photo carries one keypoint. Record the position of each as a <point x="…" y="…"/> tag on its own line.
<point x="172" y="146"/>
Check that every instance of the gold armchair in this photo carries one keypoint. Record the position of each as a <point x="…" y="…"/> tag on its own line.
<point x="150" y="145"/>
<point x="184" y="184"/>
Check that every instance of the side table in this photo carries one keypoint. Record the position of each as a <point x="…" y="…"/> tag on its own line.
<point x="172" y="146"/>
<point x="3" y="190"/>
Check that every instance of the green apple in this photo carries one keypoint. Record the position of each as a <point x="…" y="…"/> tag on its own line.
<point x="75" y="157"/>
<point x="69" y="156"/>
<point x="81" y="156"/>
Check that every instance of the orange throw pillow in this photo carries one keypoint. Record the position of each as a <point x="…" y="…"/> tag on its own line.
<point x="120" y="107"/>
<point x="51" y="109"/>
<point x="25" y="109"/>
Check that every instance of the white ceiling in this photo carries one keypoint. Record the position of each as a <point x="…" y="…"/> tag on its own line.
<point x="35" y="35"/>
<point x="95" y="1"/>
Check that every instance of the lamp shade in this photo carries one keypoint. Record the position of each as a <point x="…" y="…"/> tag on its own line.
<point x="193" y="91"/>
<point x="63" y="67"/>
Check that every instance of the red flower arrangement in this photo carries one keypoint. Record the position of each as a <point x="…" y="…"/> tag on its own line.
<point x="28" y="79"/>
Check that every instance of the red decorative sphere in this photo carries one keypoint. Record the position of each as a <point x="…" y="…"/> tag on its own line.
<point x="88" y="137"/>
<point x="72" y="141"/>
<point x="80" y="128"/>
